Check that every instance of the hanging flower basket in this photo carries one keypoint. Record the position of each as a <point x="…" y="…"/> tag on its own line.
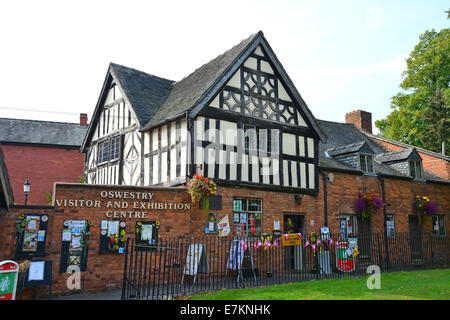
<point x="424" y="206"/>
<point x="367" y="204"/>
<point x="200" y="189"/>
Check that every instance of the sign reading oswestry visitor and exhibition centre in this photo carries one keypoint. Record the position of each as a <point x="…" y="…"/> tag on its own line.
<point x="119" y="203"/>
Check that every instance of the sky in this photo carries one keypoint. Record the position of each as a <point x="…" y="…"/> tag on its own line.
<point x="341" y="55"/>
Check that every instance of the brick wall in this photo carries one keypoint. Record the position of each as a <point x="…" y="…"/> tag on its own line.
<point x="104" y="271"/>
<point x="42" y="166"/>
<point x="341" y="199"/>
<point x="361" y="119"/>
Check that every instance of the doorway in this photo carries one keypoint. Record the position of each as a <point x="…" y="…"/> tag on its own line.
<point x="294" y="223"/>
<point x="415" y="240"/>
<point x="365" y="238"/>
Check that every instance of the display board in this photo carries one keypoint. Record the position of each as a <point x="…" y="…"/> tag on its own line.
<point x="291" y="239"/>
<point x="39" y="274"/>
<point x="32" y="234"/>
<point x="147" y="233"/>
<point x="112" y="236"/>
<point x="345" y="261"/>
<point x="236" y="256"/>
<point x="236" y="259"/>
<point x="74" y="246"/>
<point x="196" y="260"/>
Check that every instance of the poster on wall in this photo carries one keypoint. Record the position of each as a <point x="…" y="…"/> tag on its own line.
<point x="112" y="236"/>
<point x="30" y="237"/>
<point x="74" y="249"/>
<point x="224" y="227"/>
<point x="147" y="232"/>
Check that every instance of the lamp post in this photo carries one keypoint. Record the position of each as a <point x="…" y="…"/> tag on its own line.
<point x="26" y="189"/>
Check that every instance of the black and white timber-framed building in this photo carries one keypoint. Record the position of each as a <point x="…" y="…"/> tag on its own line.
<point x="238" y="119"/>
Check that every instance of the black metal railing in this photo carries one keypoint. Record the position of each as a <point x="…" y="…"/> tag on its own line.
<point x="186" y="265"/>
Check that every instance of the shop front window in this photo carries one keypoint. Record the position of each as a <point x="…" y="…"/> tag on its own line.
<point x="247" y="214"/>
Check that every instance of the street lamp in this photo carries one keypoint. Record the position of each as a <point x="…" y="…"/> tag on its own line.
<point x="26" y="189"/>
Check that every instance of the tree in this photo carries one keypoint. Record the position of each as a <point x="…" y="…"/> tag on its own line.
<point x="421" y="112"/>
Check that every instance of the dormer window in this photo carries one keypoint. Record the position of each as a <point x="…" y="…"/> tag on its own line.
<point x="366" y="163"/>
<point x="415" y="169"/>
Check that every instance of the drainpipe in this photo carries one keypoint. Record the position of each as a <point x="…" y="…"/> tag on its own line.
<point x="190" y="137"/>
<point x="325" y="204"/>
<point x="383" y="193"/>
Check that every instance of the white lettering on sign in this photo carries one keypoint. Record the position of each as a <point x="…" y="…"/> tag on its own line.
<point x="124" y="209"/>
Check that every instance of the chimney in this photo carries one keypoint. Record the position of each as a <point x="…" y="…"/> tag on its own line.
<point x="83" y="119"/>
<point x="361" y="119"/>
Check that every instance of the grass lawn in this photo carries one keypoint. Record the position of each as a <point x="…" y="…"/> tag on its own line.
<point x="422" y="285"/>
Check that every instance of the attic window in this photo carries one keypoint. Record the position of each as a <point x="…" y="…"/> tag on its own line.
<point x="366" y="163"/>
<point x="415" y="169"/>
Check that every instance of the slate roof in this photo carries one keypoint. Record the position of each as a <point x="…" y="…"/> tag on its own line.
<point x="156" y="100"/>
<point x="346" y="138"/>
<point x="405" y="145"/>
<point x="186" y="92"/>
<point x="344" y="134"/>
<point x="41" y="132"/>
<point x="144" y="91"/>
<point x="349" y="148"/>
<point x="394" y="155"/>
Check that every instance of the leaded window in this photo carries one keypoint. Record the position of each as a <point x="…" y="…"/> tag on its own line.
<point x="109" y="150"/>
<point x="366" y="163"/>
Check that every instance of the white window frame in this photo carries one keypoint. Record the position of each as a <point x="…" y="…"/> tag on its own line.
<point x="440" y="220"/>
<point x="105" y="147"/>
<point x="247" y="226"/>
<point x="417" y="169"/>
<point x="366" y="163"/>
<point x="390" y="232"/>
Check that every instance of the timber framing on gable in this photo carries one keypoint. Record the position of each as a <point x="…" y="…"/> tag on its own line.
<point x="280" y="73"/>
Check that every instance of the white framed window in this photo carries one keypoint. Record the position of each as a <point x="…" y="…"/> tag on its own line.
<point x="257" y="139"/>
<point x="250" y="137"/>
<point x="108" y="150"/>
<point x="366" y="163"/>
<point x="415" y="169"/>
<point x="247" y="217"/>
<point x="390" y="226"/>
<point x="438" y="225"/>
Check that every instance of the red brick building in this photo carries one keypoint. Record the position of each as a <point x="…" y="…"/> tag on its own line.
<point x="240" y="121"/>
<point x="41" y="152"/>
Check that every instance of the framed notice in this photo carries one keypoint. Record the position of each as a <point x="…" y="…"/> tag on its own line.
<point x="31" y="236"/>
<point x="146" y="234"/>
<point x="112" y="236"/>
<point x="36" y="271"/>
<point x="74" y="246"/>
<point x="196" y="260"/>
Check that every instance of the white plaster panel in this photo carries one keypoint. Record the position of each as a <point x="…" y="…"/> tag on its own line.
<point x="289" y="144"/>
